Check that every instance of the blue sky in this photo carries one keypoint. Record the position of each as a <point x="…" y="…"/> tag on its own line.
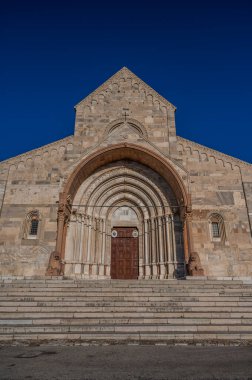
<point x="198" y="55"/>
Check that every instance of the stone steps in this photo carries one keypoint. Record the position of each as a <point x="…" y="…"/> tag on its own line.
<point x="12" y="306"/>
<point x="125" y="321"/>
<point x="83" y="298"/>
<point x="133" y="311"/>
<point x="124" y="328"/>
<point x="116" y="337"/>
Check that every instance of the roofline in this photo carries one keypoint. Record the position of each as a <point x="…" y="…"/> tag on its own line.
<point x="35" y="149"/>
<point x="125" y="69"/>
<point x="223" y="155"/>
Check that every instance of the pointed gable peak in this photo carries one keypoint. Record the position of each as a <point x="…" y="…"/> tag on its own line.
<point x="125" y="73"/>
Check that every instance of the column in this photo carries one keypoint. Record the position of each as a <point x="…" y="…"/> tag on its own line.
<point x="103" y="241"/>
<point x="77" y="265"/>
<point x="102" y="247"/>
<point x="170" y="257"/>
<point x="86" y="268"/>
<point x="161" y="248"/>
<point x="69" y="249"/>
<point x="81" y="239"/>
<point x="107" y="260"/>
<point x="174" y="249"/>
<point x="94" y="251"/>
<point x="146" y="250"/>
<point x="154" y="247"/>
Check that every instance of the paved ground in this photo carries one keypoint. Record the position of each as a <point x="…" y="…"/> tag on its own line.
<point x="125" y="362"/>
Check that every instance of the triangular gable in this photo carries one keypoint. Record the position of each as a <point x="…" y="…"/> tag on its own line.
<point x="125" y="71"/>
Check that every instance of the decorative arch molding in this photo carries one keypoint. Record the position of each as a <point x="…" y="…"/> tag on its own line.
<point x="134" y="124"/>
<point x="217" y="228"/>
<point x="32" y="225"/>
<point x="105" y="156"/>
<point x="124" y="151"/>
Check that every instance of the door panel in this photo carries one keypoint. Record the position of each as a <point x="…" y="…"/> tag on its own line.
<point x="124" y="254"/>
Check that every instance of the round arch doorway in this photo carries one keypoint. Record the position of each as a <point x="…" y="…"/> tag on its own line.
<point x="124" y="244"/>
<point x="125" y="197"/>
<point x="159" y="221"/>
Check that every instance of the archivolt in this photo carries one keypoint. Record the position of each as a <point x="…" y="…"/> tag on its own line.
<point x="134" y="124"/>
<point x="121" y="185"/>
<point x="129" y="152"/>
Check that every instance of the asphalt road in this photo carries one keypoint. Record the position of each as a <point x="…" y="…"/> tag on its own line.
<point x="125" y="362"/>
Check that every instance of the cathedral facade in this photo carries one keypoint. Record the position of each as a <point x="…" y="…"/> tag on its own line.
<point x="125" y="197"/>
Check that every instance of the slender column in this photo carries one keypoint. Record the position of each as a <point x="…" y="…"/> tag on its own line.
<point x="69" y="249"/>
<point x="94" y="247"/>
<point x="185" y="241"/>
<point x="81" y="239"/>
<point x="171" y="267"/>
<point x="103" y="241"/>
<point x="74" y="223"/>
<point x="189" y="236"/>
<point x="88" y="246"/>
<point x="102" y="247"/>
<point x="174" y="248"/>
<point x="64" y="213"/>
<point x="161" y="247"/>
<point x="78" y="225"/>
<point x="154" y="248"/>
<point x="146" y="250"/>
<point x="89" y="239"/>
<point x="85" y="237"/>
<point x="60" y="228"/>
<point x="173" y="239"/>
<point x="141" y="251"/>
<point x="98" y="244"/>
<point x="107" y="259"/>
<point x="77" y="237"/>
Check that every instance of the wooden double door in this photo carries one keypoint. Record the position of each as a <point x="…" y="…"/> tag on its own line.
<point x="124" y="253"/>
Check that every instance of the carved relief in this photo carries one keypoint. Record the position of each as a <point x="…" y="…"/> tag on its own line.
<point x="194" y="265"/>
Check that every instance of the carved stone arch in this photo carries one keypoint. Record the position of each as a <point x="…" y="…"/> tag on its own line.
<point x="140" y="128"/>
<point x="150" y="98"/>
<point x="86" y="109"/>
<point x="107" y="155"/>
<point x="128" y="202"/>
<point x="164" y="110"/>
<point x="132" y="152"/>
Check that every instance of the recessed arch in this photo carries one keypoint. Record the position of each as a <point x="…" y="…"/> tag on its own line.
<point x="162" y="222"/>
<point x="134" y="124"/>
<point x="132" y="152"/>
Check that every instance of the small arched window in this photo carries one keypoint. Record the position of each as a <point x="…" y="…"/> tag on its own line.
<point x="31" y="226"/>
<point x="217" y="228"/>
<point x="34" y="226"/>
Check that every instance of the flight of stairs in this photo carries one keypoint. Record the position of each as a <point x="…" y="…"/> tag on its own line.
<point x="129" y="311"/>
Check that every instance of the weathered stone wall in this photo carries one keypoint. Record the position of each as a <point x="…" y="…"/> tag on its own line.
<point x="31" y="182"/>
<point x="216" y="187"/>
<point x="125" y="109"/>
<point x="126" y="97"/>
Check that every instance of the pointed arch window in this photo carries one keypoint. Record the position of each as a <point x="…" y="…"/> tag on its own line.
<point x="217" y="228"/>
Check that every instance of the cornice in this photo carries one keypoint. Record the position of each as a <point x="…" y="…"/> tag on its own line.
<point x="36" y="150"/>
<point x="213" y="151"/>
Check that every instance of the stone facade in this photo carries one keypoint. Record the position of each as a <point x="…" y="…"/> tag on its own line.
<point x="125" y="166"/>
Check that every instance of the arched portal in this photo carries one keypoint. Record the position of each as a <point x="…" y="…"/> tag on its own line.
<point x="123" y="175"/>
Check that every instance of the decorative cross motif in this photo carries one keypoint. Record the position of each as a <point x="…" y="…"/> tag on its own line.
<point x="125" y="114"/>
